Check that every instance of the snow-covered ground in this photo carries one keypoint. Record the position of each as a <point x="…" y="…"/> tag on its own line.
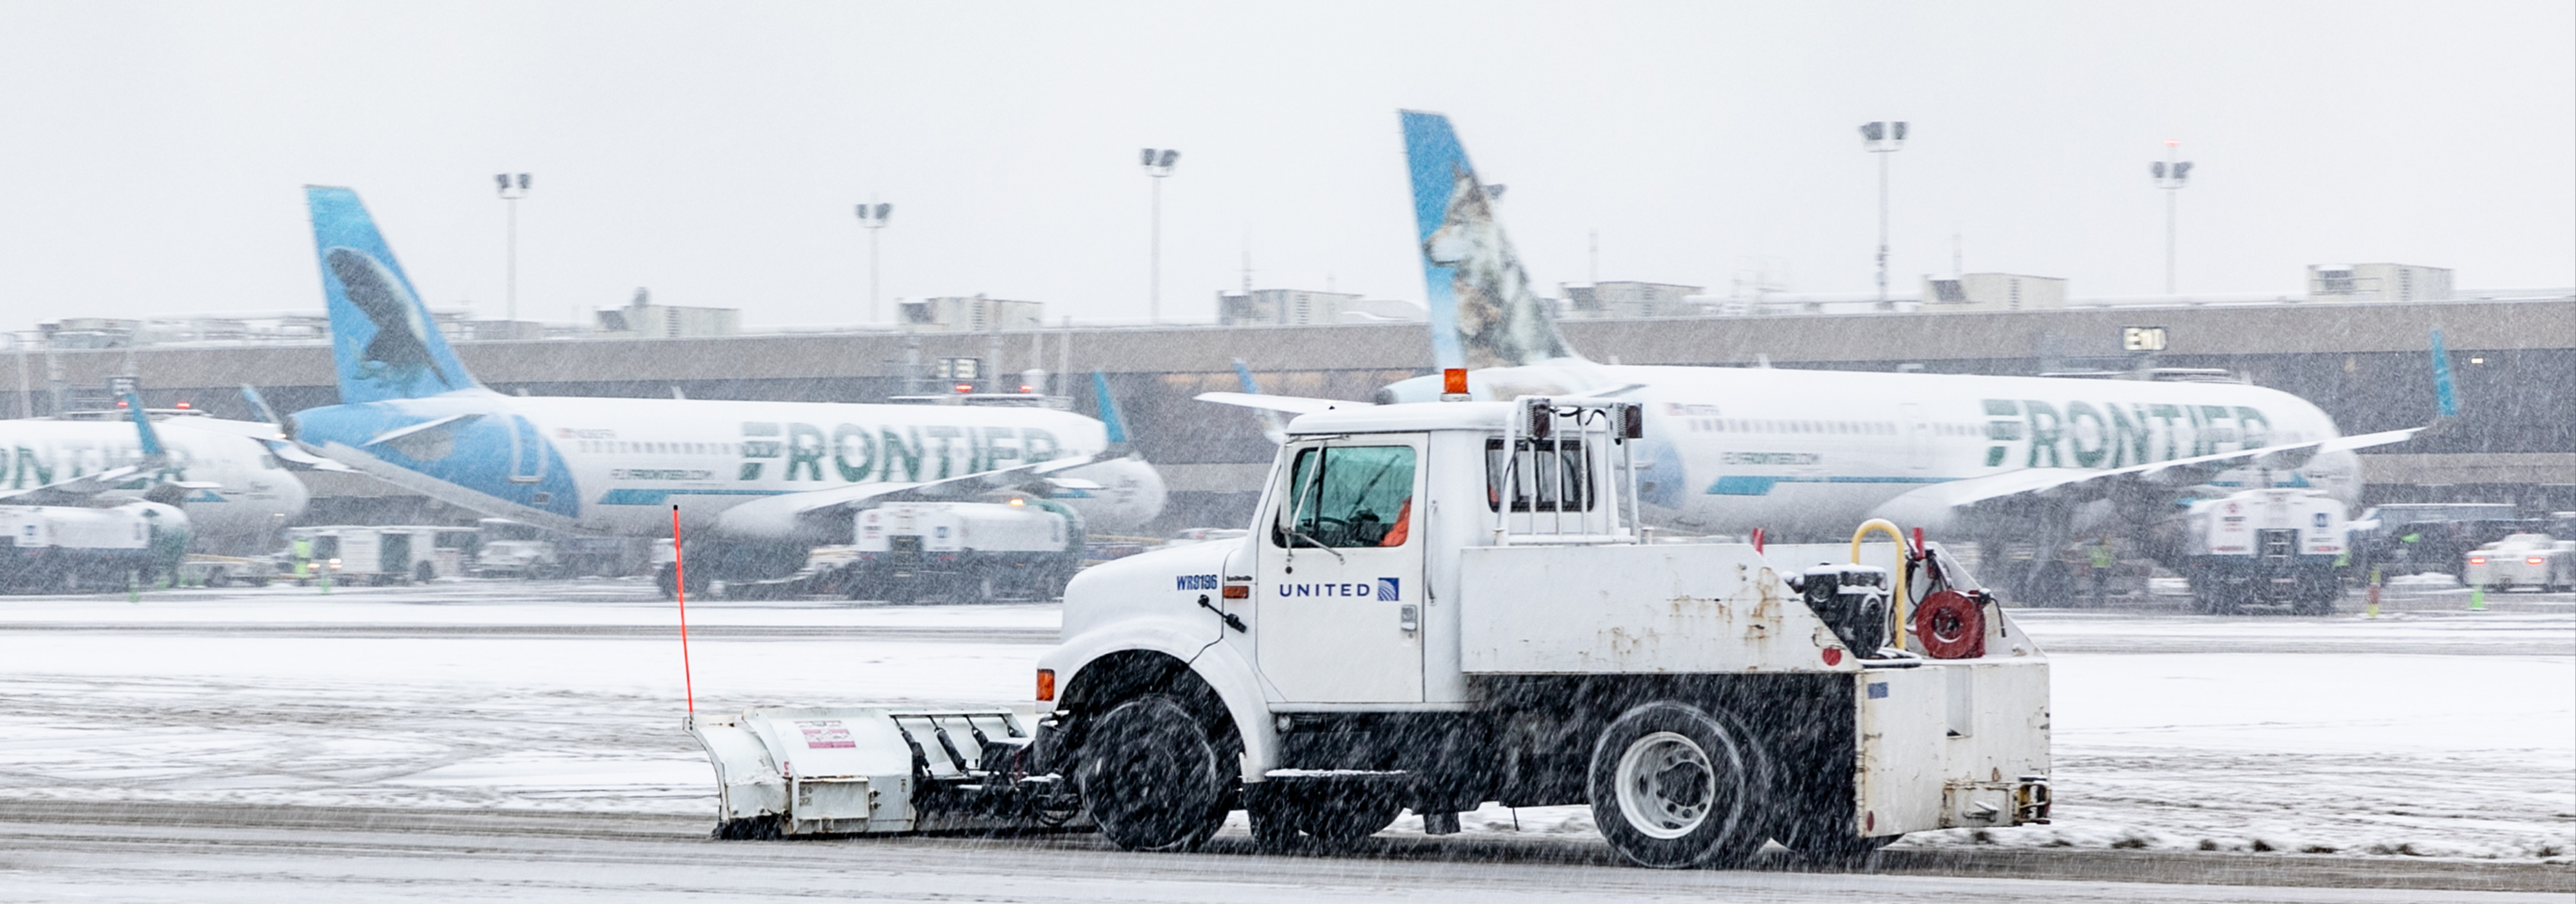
<point x="2425" y="733"/>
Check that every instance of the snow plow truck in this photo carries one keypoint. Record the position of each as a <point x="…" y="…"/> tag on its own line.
<point x="1444" y="605"/>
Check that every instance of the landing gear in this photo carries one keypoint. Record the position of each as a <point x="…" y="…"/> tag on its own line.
<point x="1157" y="776"/>
<point x="1674" y="787"/>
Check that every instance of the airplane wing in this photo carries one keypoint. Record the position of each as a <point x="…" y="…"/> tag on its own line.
<point x="754" y="516"/>
<point x="409" y="429"/>
<point x="251" y="429"/>
<point x="289" y="454"/>
<point x="296" y="459"/>
<point x="1290" y="404"/>
<point x="77" y="490"/>
<point x="2063" y="486"/>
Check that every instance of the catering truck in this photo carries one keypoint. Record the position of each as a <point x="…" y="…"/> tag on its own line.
<point x="1442" y="605"/>
<point x="1020" y="548"/>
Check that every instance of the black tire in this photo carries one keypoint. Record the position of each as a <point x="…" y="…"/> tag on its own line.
<point x="218" y="579"/>
<point x="1672" y="788"/>
<point x="1156" y="776"/>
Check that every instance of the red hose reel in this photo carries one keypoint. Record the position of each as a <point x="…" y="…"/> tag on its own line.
<point x="1951" y="625"/>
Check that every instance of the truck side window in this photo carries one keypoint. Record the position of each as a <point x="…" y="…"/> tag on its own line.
<point x="1347" y="496"/>
<point x="1546" y="476"/>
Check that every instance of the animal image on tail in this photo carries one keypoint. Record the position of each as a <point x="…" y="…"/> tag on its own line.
<point x="380" y="333"/>
<point x="1496" y="321"/>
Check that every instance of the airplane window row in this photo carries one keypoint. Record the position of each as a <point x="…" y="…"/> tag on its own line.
<point x="1846" y="428"/>
<point x="621" y="447"/>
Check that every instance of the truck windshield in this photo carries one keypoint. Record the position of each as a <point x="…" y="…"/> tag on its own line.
<point x="1348" y="496"/>
<point x="1546" y="476"/>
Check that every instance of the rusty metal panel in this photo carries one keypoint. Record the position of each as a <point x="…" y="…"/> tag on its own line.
<point x="1634" y="609"/>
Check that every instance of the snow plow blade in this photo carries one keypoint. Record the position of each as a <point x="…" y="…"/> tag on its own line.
<point x="788" y="771"/>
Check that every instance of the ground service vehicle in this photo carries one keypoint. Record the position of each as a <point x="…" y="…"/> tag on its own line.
<point x="224" y="571"/>
<point x="355" y="554"/>
<point x="1021" y="548"/>
<point x="2272" y="547"/>
<point x="1448" y="604"/>
<point x="72" y="548"/>
<point x="2523" y="560"/>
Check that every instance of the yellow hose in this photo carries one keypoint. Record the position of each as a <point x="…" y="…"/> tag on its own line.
<point x="1897" y="609"/>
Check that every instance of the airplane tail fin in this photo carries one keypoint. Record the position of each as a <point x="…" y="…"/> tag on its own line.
<point x="2446" y="396"/>
<point x="1483" y="312"/>
<point x="153" y="452"/>
<point x="259" y="409"/>
<point x="1117" y="426"/>
<point x="1272" y="426"/>
<point x="384" y="343"/>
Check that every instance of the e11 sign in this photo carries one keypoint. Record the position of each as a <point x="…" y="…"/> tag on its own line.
<point x="2142" y="338"/>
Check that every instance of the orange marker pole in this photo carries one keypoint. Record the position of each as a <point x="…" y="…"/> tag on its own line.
<point x="680" y="587"/>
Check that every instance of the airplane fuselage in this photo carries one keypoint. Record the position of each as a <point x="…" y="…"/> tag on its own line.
<point x="617" y="466"/>
<point x="255" y="494"/>
<point x="1809" y="451"/>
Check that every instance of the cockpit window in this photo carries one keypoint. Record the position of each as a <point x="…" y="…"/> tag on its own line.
<point x="1348" y="496"/>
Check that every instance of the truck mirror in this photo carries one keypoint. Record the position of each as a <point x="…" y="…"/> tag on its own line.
<point x="1542" y="415"/>
<point x="1632" y="421"/>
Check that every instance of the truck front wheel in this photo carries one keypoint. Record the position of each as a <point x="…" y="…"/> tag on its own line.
<point x="1154" y="775"/>
<point x="1670" y="789"/>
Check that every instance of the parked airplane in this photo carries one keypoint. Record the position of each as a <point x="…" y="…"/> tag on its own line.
<point x="1810" y="452"/>
<point x="68" y="534"/>
<point x="756" y="484"/>
<point x="238" y="496"/>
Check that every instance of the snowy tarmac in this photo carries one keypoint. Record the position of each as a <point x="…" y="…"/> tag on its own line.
<point x="2431" y="735"/>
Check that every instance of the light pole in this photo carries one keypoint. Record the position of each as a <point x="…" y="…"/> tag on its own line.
<point x="1882" y="138"/>
<point x="2170" y="175"/>
<point x="510" y="195"/>
<point x="1158" y="164"/>
<point x="873" y="216"/>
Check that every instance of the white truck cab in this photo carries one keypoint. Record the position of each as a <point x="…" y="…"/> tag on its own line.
<point x="1445" y="604"/>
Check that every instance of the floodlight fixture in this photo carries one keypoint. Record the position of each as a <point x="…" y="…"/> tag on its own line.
<point x="1158" y="164"/>
<point x="2171" y="175"/>
<point x="1882" y="138"/>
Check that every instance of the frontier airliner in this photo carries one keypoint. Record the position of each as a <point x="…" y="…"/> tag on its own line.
<point x="1812" y="452"/>
<point x="756" y="484"/>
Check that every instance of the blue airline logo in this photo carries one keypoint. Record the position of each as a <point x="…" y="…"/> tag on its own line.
<point x="1385" y="590"/>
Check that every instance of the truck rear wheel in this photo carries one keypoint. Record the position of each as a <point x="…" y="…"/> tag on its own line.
<point x="1155" y="776"/>
<point x="1670" y="788"/>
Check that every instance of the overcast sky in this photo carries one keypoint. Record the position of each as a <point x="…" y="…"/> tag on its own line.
<point x="713" y="151"/>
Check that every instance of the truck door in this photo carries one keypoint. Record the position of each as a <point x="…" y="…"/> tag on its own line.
<point x="1339" y="598"/>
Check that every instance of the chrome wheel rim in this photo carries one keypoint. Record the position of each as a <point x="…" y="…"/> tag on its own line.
<point x="1666" y="785"/>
